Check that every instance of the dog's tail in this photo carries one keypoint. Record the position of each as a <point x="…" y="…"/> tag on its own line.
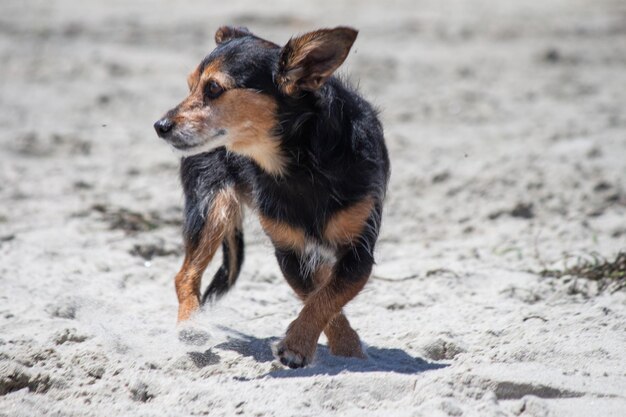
<point x="228" y="272"/>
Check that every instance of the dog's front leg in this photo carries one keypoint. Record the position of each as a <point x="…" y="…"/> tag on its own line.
<point x="223" y="214"/>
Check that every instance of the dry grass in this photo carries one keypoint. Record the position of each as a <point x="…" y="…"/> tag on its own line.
<point x="609" y="274"/>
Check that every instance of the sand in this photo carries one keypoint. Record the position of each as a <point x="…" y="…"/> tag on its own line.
<point x="506" y="125"/>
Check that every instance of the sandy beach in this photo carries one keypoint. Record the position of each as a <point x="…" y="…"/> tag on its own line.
<point x="506" y="127"/>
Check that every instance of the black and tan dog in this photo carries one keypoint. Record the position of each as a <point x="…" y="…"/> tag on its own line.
<point x="271" y="128"/>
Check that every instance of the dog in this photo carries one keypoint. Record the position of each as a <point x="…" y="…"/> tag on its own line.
<point x="271" y="128"/>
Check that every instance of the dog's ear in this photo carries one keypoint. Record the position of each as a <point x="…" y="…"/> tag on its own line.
<point x="226" y="33"/>
<point x="307" y="61"/>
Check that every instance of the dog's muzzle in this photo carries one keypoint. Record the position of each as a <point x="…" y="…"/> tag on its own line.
<point x="163" y="127"/>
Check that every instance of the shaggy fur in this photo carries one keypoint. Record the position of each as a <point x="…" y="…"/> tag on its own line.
<point x="273" y="129"/>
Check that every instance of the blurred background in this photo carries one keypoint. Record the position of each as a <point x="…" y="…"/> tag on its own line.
<point x="505" y="121"/>
<point x="488" y="107"/>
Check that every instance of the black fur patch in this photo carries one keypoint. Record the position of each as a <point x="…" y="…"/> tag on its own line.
<point x="336" y="156"/>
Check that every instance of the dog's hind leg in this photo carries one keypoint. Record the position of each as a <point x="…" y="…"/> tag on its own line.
<point x="221" y="223"/>
<point x="347" y="277"/>
<point x="290" y="263"/>
<point x="343" y="340"/>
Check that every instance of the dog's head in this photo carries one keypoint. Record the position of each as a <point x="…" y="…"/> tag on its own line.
<point x="234" y="92"/>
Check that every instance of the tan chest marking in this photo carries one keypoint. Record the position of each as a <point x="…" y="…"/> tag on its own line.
<point x="253" y="118"/>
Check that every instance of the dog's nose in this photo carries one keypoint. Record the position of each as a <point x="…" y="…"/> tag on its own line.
<point x="163" y="127"/>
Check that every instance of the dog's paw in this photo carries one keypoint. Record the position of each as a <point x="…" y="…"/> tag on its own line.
<point x="342" y="339"/>
<point x="291" y="357"/>
<point x="349" y="349"/>
<point x="345" y="343"/>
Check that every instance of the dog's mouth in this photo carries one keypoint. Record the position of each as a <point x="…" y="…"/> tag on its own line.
<point x="184" y="144"/>
<point x="188" y="146"/>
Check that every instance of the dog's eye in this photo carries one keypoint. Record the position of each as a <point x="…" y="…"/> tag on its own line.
<point x="213" y="90"/>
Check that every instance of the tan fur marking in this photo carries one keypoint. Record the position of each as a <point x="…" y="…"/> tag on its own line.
<point x="232" y="256"/>
<point x="304" y="332"/>
<point x="247" y="117"/>
<point x="322" y="275"/>
<point x="282" y="234"/>
<point x="225" y="209"/>
<point x="213" y="71"/>
<point x="226" y="33"/>
<point x="253" y="117"/>
<point x="319" y="309"/>
<point x="326" y="302"/>
<point x="223" y="215"/>
<point x="185" y="281"/>
<point x="193" y="78"/>
<point x="342" y="339"/>
<point x="346" y="225"/>
<point x="308" y="60"/>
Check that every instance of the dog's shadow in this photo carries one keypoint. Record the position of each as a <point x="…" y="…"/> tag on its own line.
<point x="378" y="359"/>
